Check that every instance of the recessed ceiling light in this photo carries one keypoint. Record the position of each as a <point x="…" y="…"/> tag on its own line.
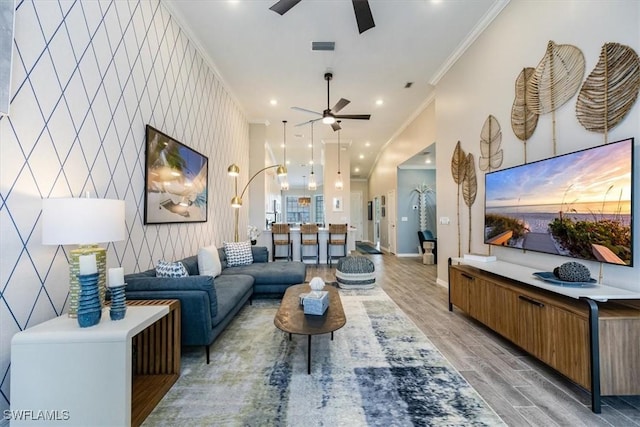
<point x="273" y="102"/>
<point x="427" y="161"/>
<point x="367" y="144"/>
<point x="362" y="156"/>
<point x="288" y="162"/>
<point x="357" y="169"/>
<point x="379" y="102"/>
<point x="309" y="145"/>
<point x="282" y="145"/>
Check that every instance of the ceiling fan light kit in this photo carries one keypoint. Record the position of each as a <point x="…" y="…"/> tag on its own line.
<point x="329" y="115"/>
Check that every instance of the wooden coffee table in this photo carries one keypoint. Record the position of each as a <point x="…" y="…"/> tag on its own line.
<point x="291" y="318"/>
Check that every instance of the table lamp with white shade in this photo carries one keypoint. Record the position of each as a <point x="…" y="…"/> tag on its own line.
<point x="84" y="222"/>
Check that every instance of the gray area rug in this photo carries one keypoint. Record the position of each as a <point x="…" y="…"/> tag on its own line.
<point x="380" y="370"/>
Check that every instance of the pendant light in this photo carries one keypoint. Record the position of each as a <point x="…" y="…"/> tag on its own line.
<point x="312" y="178"/>
<point x="304" y="200"/>
<point x="339" y="183"/>
<point x="284" y="184"/>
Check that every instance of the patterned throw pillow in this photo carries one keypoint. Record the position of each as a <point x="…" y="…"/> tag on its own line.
<point x="170" y="269"/>
<point x="238" y="253"/>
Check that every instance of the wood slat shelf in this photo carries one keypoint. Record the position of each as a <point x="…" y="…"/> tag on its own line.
<point x="156" y="360"/>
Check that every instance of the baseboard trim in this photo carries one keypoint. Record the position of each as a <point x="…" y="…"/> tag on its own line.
<point x="443" y="283"/>
<point x="408" y="255"/>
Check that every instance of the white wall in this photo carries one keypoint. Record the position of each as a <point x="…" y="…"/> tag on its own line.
<point x="416" y="136"/>
<point x="87" y="77"/>
<point x="482" y="83"/>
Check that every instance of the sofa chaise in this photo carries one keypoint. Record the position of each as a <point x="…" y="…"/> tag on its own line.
<point x="209" y="303"/>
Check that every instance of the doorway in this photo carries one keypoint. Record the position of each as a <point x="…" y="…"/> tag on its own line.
<point x="391" y="221"/>
<point x="376" y="222"/>
<point x="356" y="214"/>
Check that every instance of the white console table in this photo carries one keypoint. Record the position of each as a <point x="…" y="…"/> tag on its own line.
<point x="81" y="375"/>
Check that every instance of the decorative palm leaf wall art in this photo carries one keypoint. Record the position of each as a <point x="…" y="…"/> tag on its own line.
<point x="490" y="139"/>
<point x="469" y="187"/>
<point x="458" y="171"/>
<point x="611" y="89"/>
<point x="555" y="80"/>
<point x="523" y="120"/>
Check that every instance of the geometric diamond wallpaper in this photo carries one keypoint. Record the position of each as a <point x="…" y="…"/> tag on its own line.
<point x="87" y="76"/>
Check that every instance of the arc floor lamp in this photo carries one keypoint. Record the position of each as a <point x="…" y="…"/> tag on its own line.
<point x="236" y="202"/>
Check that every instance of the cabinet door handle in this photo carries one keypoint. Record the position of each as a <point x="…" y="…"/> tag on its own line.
<point x="466" y="276"/>
<point x="531" y="301"/>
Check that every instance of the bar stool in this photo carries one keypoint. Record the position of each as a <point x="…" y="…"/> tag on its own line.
<point x="337" y="237"/>
<point x="280" y="236"/>
<point x="309" y="237"/>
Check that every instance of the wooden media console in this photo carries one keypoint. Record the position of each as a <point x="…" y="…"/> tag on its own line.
<point x="591" y="335"/>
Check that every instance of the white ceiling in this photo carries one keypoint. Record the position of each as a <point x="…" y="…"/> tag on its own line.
<point x="261" y="56"/>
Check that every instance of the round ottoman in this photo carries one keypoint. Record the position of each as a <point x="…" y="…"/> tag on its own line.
<point x="355" y="272"/>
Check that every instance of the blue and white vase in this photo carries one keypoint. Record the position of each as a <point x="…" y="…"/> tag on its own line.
<point x="118" y="302"/>
<point x="89" y="306"/>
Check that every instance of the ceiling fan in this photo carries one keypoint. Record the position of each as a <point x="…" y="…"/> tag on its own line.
<point x="360" y="7"/>
<point x="328" y="116"/>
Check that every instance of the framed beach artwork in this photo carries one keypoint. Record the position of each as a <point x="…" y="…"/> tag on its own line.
<point x="337" y="204"/>
<point x="176" y="179"/>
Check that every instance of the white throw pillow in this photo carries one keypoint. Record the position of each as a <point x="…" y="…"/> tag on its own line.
<point x="238" y="253"/>
<point x="209" y="261"/>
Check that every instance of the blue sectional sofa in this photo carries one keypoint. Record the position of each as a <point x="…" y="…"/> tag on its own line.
<point x="208" y="304"/>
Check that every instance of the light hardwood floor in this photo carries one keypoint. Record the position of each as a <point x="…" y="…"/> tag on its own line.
<point x="523" y="391"/>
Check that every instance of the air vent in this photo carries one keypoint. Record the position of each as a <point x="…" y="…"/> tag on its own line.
<point x="323" y="45"/>
<point x="407" y="85"/>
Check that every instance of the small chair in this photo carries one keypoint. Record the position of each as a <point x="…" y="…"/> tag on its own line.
<point x="309" y="237"/>
<point x="337" y="237"/>
<point x="280" y="236"/>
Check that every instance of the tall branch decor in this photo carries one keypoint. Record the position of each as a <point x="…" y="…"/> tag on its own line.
<point x="523" y="120"/>
<point x="611" y="89"/>
<point x="458" y="171"/>
<point x="425" y="216"/>
<point x="491" y="154"/>
<point x="555" y="80"/>
<point x="469" y="187"/>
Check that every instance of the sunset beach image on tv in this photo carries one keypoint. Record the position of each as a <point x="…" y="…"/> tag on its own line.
<point x="577" y="205"/>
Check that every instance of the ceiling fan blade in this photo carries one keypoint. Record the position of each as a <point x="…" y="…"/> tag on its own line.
<point x="335" y="126"/>
<point x="363" y="15"/>
<point x="340" y="105"/>
<point x="307" y="122"/>
<point x="304" y="110"/>
<point x="283" y="6"/>
<point x="354" y="116"/>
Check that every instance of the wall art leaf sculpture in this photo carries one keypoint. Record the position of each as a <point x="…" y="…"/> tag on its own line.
<point x="523" y="120"/>
<point x="491" y="154"/>
<point x="469" y="187"/>
<point x="458" y="171"/>
<point x="555" y="80"/>
<point x="610" y="90"/>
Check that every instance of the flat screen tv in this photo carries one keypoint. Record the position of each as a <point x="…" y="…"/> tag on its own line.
<point x="577" y="205"/>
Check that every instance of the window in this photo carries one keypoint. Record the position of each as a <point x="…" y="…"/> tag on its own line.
<point x="319" y="209"/>
<point x="295" y="212"/>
